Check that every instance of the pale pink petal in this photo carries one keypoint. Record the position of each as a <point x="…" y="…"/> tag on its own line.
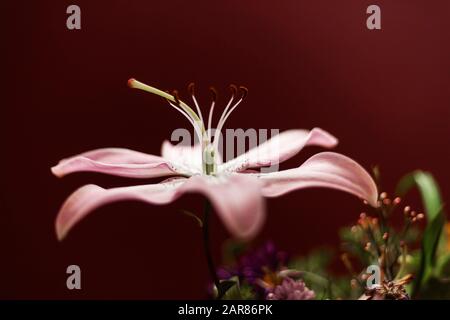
<point x="185" y="156"/>
<point x="118" y="162"/>
<point x="237" y="200"/>
<point x="188" y="156"/>
<point x="326" y="169"/>
<point x="280" y="148"/>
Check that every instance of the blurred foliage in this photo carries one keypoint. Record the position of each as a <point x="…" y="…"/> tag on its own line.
<point x="237" y="291"/>
<point x="425" y="254"/>
<point x="232" y="249"/>
<point x="402" y="253"/>
<point x="434" y="240"/>
<point x="314" y="269"/>
<point x="317" y="261"/>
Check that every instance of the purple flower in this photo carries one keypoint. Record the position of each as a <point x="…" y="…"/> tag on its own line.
<point x="256" y="265"/>
<point x="291" y="289"/>
<point x="262" y="263"/>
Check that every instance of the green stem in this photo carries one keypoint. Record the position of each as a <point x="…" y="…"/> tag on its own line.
<point x="209" y="259"/>
<point x="388" y="266"/>
<point x="373" y="241"/>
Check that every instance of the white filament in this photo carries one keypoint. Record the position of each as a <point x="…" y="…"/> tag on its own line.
<point x="192" y="121"/>
<point x="199" y="112"/>
<point x="222" y="121"/>
<point x="225" y="109"/>
<point x="211" y="111"/>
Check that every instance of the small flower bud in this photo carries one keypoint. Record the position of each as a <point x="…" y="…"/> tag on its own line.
<point x="363" y="220"/>
<point x="407" y="210"/>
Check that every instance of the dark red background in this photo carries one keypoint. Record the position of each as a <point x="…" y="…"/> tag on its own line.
<point x="385" y="94"/>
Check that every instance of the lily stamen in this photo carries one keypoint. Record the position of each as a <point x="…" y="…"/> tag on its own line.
<point x="176" y="96"/>
<point x="226" y="113"/>
<point x="233" y="89"/>
<point x="191" y="89"/>
<point x="211" y="111"/>
<point x="194" y="123"/>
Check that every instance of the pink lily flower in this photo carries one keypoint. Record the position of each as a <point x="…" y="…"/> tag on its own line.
<point x="235" y="192"/>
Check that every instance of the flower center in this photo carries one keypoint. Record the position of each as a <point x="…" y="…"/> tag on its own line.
<point x="204" y="134"/>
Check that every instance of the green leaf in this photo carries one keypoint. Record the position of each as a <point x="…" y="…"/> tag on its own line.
<point x="443" y="266"/>
<point x="432" y="202"/>
<point x="230" y="289"/>
<point x="428" y="188"/>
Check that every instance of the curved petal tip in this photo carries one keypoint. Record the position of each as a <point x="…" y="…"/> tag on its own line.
<point x="57" y="172"/>
<point x="328" y="170"/>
